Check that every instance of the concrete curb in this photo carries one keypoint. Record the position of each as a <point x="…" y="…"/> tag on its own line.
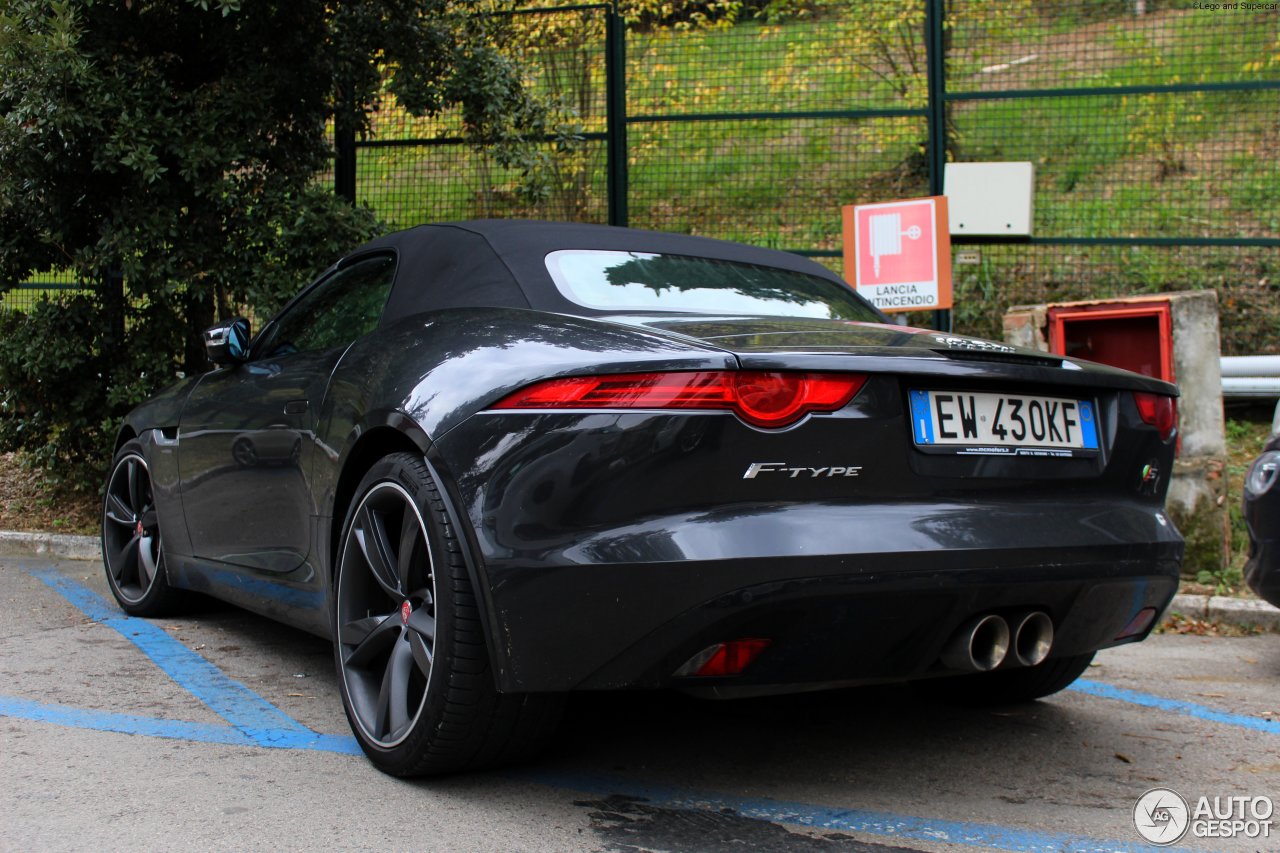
<point x="1243" y="612"/>
<point x="53" y="544"/>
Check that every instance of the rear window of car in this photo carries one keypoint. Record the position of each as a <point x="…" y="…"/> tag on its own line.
<point x="636" y="281"/>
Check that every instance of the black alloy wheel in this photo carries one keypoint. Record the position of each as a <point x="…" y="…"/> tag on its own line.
<point x="132" y="549"/>
<point x="386" y="615"/>
<point x="410" y="651"/>
<point x="244" y="453"/>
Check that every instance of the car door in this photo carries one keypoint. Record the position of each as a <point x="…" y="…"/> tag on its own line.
<point x="246" y="436"/>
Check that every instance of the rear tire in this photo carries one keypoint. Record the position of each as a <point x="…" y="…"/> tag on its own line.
<point x="413" y="668"/>
<point x="1009" y="686"/>
<point x="244" y="453"/>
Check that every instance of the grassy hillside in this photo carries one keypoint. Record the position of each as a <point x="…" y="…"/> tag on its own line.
<point x="705" y="157"/>
<point x="1163" y="165"/>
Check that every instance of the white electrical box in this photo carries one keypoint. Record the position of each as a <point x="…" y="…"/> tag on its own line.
<point x="990" y="198"/>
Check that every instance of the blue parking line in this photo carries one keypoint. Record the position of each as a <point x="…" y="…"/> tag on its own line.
<point x="1176" y="706"/>
<point x="226" y="697"/>
<point x="250" y="713"/>
<point x="256" y="722"/>
<point x="884" y="824"/>
<point x="133" y="724"/>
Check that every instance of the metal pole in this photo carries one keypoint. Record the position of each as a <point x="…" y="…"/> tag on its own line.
<point x="344" y="145"/>
<point x="936" y="77"/>
<point x="113" y="298"/>
<point x="615" y="46"/>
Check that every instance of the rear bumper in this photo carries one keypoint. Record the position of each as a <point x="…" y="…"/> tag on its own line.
<point x="845" y="592"/>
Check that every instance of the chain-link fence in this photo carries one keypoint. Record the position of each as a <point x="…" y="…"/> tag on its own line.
<point x="759" y="132"/>
<point x="49" y="285"/>
<point x="1153" y="126"/>
<point x="414" y="170"/>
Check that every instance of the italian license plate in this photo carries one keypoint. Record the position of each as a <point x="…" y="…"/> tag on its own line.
<point x="1003" y="424"/>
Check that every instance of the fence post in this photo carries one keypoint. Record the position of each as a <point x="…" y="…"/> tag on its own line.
<point x="344" y="145"/>
<point x="113" y="301"/>
<point x="615" y="66"/>
<point x="936" y="78"/>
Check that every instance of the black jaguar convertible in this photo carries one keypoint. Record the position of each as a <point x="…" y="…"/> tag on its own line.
<point x="500" y="461"/>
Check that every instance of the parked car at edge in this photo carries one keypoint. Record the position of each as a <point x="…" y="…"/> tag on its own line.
<point x="1262" y="518"/>
<point x="539" y="458"/>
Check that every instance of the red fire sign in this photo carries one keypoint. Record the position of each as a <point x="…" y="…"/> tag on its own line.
<point x="898" y="254"/>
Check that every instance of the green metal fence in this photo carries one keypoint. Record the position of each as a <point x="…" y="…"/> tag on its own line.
<point x="1154" y="128"/>
<point x="50" y="285"/>
<point x="414" y="170"/>
<point x="1154" y="138"/>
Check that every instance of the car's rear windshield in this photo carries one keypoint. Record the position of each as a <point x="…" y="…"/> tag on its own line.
<point x="636" y="281"/>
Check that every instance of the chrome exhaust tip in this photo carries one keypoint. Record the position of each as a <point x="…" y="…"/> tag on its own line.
<point x="1033" y="638"/>
<point x="979" y="646"/>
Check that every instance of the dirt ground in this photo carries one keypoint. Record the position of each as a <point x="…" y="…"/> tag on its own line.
<point x="28" y="503"/>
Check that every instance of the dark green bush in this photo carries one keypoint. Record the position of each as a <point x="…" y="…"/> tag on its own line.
<point x="180" y="146"/>
<point x="66" y="380"/>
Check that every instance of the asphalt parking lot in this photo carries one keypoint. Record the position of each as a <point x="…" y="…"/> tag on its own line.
<point x="224" y="731"/>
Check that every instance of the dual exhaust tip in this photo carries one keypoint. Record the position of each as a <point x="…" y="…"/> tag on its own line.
<point x="984" y="642"/>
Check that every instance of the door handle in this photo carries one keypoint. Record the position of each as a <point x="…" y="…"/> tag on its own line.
<point x="296" y="407"/>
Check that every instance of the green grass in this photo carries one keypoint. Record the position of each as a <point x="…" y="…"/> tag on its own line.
<point x="30" y="293"/>
<point x="1083" y="147"/>
<point x="1160" y="165"/>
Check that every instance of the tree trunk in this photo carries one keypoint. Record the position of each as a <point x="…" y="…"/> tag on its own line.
<point x="198" y="310"/>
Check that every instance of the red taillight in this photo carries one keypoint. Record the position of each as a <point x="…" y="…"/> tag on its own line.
<point x="1157" y="410"/>
<point x="723" y="659"/>
<point x="1138" y="624"/>
<point x="764" y="399"/>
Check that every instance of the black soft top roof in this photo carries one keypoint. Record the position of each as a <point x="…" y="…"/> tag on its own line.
<point x="501" y="262"/>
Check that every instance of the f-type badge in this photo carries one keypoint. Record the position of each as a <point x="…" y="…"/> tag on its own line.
<point x="793" y="472"/>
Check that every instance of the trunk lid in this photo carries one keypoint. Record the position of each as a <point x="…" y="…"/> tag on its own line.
<point x="797" y="343"/>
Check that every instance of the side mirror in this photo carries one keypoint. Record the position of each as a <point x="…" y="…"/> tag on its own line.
<point x="228" y="342"/>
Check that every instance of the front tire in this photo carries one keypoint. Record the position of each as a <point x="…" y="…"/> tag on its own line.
<point x="132" y="548"/>
<point x="413" y="668"/>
